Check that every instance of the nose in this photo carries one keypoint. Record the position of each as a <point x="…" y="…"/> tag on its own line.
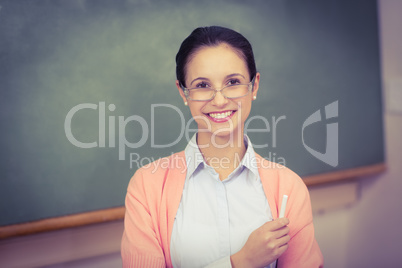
<point x="219" y="100"/>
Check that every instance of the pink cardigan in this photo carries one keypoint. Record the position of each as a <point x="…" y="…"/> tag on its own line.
<point x="154" y="194"/>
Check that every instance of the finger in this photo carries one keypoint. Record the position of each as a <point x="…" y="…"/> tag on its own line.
<point x="284" y="240"/>
<point x="276" y="224"/>
<point x="284" y="221"/>
<point x="281" y="232"/>
<point x="283" y="248"/>
<point x="280" y="247"/>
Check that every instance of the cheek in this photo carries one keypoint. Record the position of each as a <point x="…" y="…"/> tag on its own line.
<point x="196" y="111"/>
<point x="199" y="118"/>
<point x="245" y="108"/>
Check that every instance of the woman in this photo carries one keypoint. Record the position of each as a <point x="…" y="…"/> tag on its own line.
<point x="216" y="204"/>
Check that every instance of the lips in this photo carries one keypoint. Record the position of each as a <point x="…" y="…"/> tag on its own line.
<point x="220" y="117"/>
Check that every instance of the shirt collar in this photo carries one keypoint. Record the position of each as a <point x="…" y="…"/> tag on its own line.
<point x="194" y="156"/>
<point x="249" y="160"/>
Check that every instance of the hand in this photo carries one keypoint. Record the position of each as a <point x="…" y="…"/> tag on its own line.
<point x="264" y="245"/>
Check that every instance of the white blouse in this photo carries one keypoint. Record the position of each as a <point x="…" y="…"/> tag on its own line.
<point x="215" y="218"/>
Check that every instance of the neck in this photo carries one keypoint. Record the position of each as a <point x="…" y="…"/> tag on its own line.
<point x="222" y="152"/>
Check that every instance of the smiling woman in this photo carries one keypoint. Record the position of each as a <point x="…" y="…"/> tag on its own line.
<point x="219" y="207"/>
<point x="216" y="114"/>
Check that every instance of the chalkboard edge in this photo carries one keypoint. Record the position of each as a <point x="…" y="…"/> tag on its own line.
<point x="117" y="213"/>
<point x="346" y="174"/>
<point x="63" y="222"/>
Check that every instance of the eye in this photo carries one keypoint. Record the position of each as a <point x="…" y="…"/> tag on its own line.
<point x="233" y="81"/>
<point x="202" y="85"/>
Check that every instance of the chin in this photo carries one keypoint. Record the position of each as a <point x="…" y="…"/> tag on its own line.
<point x="225" y="132"/>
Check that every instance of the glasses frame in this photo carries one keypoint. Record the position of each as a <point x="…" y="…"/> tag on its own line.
<point x="250" y="89"/>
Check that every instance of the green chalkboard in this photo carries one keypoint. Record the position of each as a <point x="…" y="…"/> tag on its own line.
<point x="81" y="79"/>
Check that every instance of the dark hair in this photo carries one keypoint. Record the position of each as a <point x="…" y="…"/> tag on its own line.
<point x="213" y="36"/>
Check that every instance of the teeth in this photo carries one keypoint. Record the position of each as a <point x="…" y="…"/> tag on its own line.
<point x="220" y="115"/>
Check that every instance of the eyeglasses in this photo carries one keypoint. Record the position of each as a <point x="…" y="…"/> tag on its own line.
<point x="207" y="93"/>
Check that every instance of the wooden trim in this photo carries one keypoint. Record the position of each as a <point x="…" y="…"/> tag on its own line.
<point x="117" y="213"/>
<point x="57" y="223"/>
<point x="331" y="196"/>
<point x="344" y="174"/>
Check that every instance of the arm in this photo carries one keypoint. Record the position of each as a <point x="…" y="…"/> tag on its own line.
<point x="140" y="246"/>
<point x="264" y="245"/>
<point x="293" y="246"/>
<point x="303" y="249"/>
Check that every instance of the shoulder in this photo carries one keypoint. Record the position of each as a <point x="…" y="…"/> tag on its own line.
<point x="278" y="180"/>
<point x="154" y="175"/>
<point x="278" y="174"/>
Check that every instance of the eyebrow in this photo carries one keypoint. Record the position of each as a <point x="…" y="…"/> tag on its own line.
<point x="226" y="77"/>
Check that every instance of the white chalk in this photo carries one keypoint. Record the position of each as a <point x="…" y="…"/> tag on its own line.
<point x="283" y="206"/>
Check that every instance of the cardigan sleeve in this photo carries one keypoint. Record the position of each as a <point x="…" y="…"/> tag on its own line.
<point x="140" y="246"/>
<point x="303" y="249"/>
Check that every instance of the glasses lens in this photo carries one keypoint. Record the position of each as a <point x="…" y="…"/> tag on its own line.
<point x="201" y="93"/>
<point x="236" y="91"/>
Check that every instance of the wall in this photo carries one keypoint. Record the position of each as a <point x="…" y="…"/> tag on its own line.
<point x="367" y="234"/>
<point x="364" y="234"/>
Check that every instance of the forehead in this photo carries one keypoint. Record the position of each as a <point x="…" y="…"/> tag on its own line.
<point x="216" y="61"/>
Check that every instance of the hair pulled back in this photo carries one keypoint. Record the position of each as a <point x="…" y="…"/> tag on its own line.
<point x="209" y="37"/>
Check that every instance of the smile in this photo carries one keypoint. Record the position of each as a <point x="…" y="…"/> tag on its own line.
<point x="221" y="116"/>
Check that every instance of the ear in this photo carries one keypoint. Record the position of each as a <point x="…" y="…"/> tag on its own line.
<point x="181" y="91"/>
<point x="256" y="84"/>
